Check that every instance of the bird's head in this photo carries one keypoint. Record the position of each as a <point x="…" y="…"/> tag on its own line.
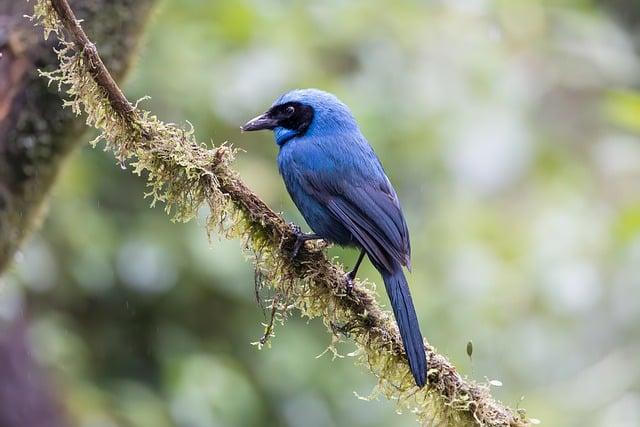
<point x="304" y="112"/>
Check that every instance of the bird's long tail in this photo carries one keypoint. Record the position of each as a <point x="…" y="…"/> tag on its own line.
<point x="405" y="314"/>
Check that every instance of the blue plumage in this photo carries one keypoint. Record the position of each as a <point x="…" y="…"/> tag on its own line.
<point x="339" y="186"/>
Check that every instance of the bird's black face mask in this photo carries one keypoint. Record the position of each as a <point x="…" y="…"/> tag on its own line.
<point x="291" y="115"/>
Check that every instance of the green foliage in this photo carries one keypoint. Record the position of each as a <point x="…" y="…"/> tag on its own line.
<point x="624" y="109"/>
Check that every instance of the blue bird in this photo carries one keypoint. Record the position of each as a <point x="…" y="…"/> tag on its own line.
<point x="338" y="184"/>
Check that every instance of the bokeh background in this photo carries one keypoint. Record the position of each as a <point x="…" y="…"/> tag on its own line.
<point x="510" y="130"/>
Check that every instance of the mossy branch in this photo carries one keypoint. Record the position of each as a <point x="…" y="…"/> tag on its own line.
<point x="184" y="174"/>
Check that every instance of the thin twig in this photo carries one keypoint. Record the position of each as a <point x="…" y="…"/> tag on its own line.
<point x="269" y="329"/>
<point x="98" y="70"/>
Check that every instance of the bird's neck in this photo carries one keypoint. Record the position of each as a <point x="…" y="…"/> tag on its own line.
<point x="284" y="135"/>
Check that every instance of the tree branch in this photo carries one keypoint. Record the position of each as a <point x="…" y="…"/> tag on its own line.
<point x="184" y="174"/>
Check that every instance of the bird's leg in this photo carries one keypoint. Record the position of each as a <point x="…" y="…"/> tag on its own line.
<point x="352" y="274"/>
<point x="300" y="239"/>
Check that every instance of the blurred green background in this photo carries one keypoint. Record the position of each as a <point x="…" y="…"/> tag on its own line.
<point x="510" y="130"/>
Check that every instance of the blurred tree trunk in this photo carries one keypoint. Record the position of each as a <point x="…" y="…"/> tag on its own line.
<point x="36" y="135"/>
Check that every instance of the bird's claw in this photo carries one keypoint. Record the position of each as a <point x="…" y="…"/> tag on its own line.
<point x="300" y="239"/>
<point x="297" y="245"/>
<point x="295" y="229"/>
<point x="350" y="282"/>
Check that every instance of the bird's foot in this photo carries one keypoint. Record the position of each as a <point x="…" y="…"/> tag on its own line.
<point x="300" y="239"/>
<point x="350" y="276"/>
<point x="297" y="246"/>
<point x="297" y="231"/>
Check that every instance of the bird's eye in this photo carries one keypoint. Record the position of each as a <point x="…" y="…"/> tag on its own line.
<point x="290" y="110"/>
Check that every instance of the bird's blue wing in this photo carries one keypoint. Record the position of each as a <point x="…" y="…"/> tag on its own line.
<point x="369" y="208"/>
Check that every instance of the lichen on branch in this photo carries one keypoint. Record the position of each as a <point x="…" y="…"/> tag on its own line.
<point x="183" y="175"/>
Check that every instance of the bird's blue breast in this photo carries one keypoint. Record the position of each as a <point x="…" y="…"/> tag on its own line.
<point x="303" y="155"/>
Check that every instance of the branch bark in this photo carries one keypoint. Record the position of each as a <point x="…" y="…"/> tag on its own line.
<point x="184" y="174"/>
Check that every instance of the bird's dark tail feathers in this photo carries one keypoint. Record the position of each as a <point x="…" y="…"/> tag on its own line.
<point x="405" y="314"/>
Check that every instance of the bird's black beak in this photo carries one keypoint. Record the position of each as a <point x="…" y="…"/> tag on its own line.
<point x="263" y="121"/>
